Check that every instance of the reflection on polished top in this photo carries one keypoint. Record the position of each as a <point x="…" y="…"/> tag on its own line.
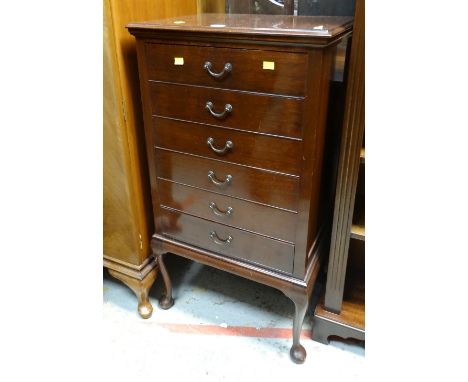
<point x="305" y="26"/>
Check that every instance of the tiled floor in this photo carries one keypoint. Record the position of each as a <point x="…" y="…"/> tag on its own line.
<point x="222" y="327"/>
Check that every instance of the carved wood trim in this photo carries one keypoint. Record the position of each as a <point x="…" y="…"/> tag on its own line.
<point x="134" y="273"/>
<point x="324" y="328"/>
<point x="348" y="168"/>
<point x="127" y="264"/>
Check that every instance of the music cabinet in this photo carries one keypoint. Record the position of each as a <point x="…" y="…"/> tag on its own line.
<point x="235" y="110"/>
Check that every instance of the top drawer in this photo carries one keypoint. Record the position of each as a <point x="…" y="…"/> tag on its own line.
<point x="284" y="73"/>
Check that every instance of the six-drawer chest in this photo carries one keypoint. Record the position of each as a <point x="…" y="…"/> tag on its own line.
<point x="235" y="112"/>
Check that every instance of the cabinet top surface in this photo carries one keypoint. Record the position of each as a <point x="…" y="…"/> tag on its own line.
<point x="325" y="27"/>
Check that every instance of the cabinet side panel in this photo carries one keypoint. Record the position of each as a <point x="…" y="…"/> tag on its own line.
<point x="316" y="218"/>
<point x="314" y="125"/>
<point x="120" y="233"/>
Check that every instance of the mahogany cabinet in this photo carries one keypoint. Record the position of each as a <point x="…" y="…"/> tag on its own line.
<point x="235" y="111"/>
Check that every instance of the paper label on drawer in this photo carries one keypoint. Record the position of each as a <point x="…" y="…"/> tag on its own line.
<point x="269" y="65"/>
<point x="178" y="61"/>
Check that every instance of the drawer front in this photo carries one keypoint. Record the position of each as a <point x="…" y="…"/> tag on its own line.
<point x="238" y="213"/>
<point x="247" y="72"/>
<point x="252" y="112"/>
<point x="246" y="183"/>
<point x="241" y="245"/>
<point x="261" y="151"/>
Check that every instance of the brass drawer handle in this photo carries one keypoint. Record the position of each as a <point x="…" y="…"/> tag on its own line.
<point x="228" y="146"/>
<point x="218" y="182"/>
<point x="226" y="70"/>
<point x="227" y="109"/>
<point x="217" y="240"/>
<point x="218" y="212"/>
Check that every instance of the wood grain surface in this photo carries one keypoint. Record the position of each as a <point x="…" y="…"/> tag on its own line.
<point x="247" y="183"/>
<point x="348" y="168"/>
<point x="247" y="68"/>
<point x="261" y="151"/>
<point x="318" y="30"/>
<point x="127" y="213"/>
<point x="244" y="245"/>
<point x="250" y="216"/>
<point x="251" y="112"/>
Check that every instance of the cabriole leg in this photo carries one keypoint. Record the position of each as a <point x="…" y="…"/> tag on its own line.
<point x="166" y="301"/>
<point x="140" y="288"/>
<point x="301" y="302"/>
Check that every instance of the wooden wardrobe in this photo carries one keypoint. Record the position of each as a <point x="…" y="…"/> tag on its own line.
<point x="341" y="311"/>
<point x="127" y="204"/>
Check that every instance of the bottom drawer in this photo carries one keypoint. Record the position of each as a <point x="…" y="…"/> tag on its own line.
<point x="228" y="241"/>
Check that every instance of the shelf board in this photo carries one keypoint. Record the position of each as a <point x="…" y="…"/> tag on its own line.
<point x="358" y="231"/>
<point x="362" y="155"/>
<point x="353" y="308"/>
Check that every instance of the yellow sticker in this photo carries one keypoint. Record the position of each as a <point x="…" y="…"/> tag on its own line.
<point x="179" y="22"/>
<point x="269" y="65"/>
<point x="178" y="61"/>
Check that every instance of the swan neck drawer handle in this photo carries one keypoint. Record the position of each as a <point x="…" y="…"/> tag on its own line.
<point x="227" y="109"/>
<point x="226" y="70"/>
<point x="218" y="182"/>
<point x="214" y="236"/>
<point x="228" y="146"/>
<point x="218" y="212"/>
